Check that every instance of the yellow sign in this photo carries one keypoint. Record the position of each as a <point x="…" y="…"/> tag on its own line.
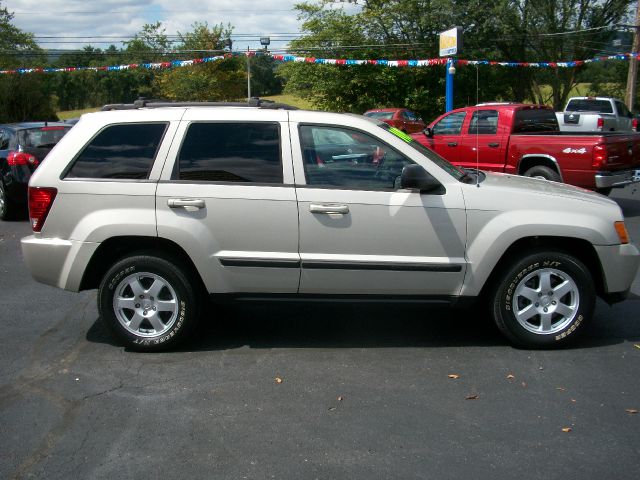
<point x="451" y="42"/>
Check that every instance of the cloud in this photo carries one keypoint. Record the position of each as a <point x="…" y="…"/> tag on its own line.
<point x="63" y="19"/>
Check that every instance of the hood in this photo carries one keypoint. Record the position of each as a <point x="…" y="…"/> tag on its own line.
<point x="505" y="184"/>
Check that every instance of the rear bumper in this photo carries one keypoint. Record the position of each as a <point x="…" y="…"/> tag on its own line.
<point x="619" y="267"/>
<point x="56" y="262"/>
<point x="617" y="179"/>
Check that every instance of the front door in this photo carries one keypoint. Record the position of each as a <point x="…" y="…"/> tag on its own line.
<point x="359" y="232"/>
<point x="446" y="136"/>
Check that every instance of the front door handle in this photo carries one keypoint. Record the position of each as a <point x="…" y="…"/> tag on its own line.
<point x="494" y="145"/>
<point x="328" y="208"/>
<point x="185" y="203"/>
<point x="452" y="144"/>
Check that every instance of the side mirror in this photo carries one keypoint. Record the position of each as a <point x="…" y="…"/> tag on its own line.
<point x="428" y="131"/>
<point x="415" y="177"/>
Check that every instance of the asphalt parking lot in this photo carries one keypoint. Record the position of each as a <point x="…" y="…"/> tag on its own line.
<point x="365" y="392"/>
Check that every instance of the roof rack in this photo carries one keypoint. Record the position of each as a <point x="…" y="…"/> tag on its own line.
<point x="151" y="103"/>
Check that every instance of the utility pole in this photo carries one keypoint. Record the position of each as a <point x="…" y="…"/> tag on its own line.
<point x="248" y="74"/>
<point x="630" y="93"/>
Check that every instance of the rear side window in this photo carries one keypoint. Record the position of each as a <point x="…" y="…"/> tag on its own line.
<point x="535" y="120"/>
<point x="231" y="152"/>
<point x="124" y="151"/>
<point x="484" y="122"/>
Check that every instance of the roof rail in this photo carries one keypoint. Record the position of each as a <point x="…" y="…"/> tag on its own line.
<point x="154" y="103"/>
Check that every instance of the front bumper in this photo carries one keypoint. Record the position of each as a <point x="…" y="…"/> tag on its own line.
<point x="57" y="262"/>
<point x="617" y="179"/>
<point x="619" y="267"/>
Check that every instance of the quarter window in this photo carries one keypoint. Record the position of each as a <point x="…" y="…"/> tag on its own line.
<point x="450" y="125"/>
<point x="124" y="151"/>
<point x="231" y="152"/>
<point x="351" y="159"/>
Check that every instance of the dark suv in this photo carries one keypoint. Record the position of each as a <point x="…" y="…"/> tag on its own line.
<point x="22" y="147"/>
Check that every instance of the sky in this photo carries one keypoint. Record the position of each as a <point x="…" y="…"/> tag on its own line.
<point x="55" y="22"/>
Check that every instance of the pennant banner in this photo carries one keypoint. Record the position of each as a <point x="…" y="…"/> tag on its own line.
<point x="326" y="61"/>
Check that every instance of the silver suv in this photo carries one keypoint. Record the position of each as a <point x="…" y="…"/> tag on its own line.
<point x="160" y="207"/>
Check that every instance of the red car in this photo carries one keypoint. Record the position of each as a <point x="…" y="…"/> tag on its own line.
<point x="401" y="118"/>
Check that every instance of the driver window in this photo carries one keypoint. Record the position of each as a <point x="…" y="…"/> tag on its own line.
<point x="350" y="159"/>
<point x="450" y="125"/>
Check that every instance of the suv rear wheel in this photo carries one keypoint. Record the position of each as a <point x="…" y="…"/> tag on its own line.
<point x="148" y="303"/>
<point x="543" y="300"/>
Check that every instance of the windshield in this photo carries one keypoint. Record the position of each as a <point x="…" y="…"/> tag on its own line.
<point x="380" y="115"/>
<point x="452" y="170"/>
<point x="43" y="137"/>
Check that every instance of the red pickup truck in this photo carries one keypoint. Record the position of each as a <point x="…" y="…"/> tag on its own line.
<point x="526" y="140"/>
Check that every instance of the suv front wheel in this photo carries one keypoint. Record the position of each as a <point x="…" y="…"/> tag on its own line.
<point x="148" y="303"/>
<point x="544" y="300"/>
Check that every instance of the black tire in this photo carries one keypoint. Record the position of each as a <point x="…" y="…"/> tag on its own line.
<point x="7" y="209"/>
<point x="540" y="171"/>
<point x="157" y="322"/>
<point x="519" y="293"/>
<point x="604" y="191"/>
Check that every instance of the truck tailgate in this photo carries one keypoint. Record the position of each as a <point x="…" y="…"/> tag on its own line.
<point x="623" y="152"/>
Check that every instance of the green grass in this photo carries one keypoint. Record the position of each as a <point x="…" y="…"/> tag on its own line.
<point x="291" y="100"/>
<point x="65" y="115"/>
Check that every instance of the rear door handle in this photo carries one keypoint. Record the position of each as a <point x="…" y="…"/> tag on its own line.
<point x="328" y="208"/>
<point x="452" y="144"/>
<point x="494" y="145"/>
<point x="185" y="203"/>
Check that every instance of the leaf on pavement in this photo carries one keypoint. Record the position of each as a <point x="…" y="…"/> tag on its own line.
<point x="631" y="410"/>
<point x="472" y="397"/>
<point x="453" y="375"/>
<point x="560" y="388"/>
<point x="510" y="377"/>
<point x="567" y="429"/>
<point x="278" y="380"/>
<point x="340" y="398"/>
<point x="637" y="345"/>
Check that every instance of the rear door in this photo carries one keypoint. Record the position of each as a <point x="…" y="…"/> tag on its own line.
<point x="226" y="196"/>
<point x="483" y="141"/>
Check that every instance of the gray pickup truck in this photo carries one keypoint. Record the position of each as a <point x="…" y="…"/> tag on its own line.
<point x="596" y="114"/>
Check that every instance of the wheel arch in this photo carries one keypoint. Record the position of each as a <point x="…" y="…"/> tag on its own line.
<point x="116" y="248"/>
<point x="531" y="160"/>
<point x="576" y="247"/>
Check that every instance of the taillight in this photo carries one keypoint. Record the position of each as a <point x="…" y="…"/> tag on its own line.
<point x="600" y="125"/>
<point x="40" y="201"/>
<point x="599" y="156"/>
<point x="634" y="124"/>
<point x="21" y="158"/>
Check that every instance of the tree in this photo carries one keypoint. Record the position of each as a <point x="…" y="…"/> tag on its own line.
<point x="212" y="81"/>
<point x="22" y="97"/>
<point x="535" y="30"/>
<point x="520" y="30"/>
